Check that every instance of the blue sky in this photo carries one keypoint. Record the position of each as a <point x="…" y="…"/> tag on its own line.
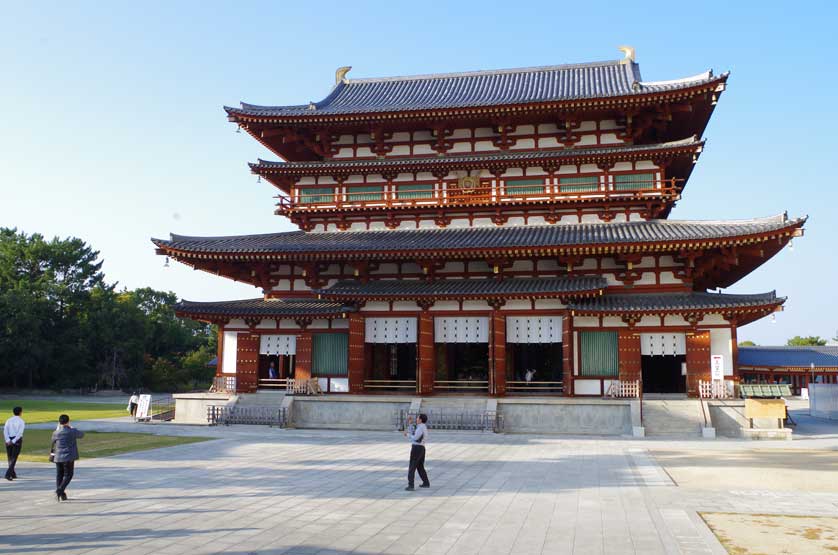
<point x="113" y="129"/>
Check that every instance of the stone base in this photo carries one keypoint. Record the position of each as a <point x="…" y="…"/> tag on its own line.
<point x="191" y="408"/>
<point x="638" y="431"/>
<point x="708" y="433"/>
<point x="773" y="433"/>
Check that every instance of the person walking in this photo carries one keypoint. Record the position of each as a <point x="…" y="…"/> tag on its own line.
<point x="418" y="435"/>
<point x="13" y="436"/>
<point x="133" y="401"/>
<point x="64" y="454"/>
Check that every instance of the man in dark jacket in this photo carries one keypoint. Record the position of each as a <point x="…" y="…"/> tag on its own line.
<point x="65" y="454"/>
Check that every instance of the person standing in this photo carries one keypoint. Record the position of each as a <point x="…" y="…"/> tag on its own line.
<point x="272" y="375"/>
<point x="13" y="436"/>
<point x="418" y="436"/>
<point x="65" y="453"/>
<point x="133" y="401"/>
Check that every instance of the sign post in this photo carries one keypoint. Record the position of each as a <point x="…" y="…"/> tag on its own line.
<point x="717" y="368"/>
<point x="144" y="408"/>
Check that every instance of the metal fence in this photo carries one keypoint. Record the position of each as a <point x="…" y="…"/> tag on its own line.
<point x="162" y="408"/>
<point x="453" y="419"/>
<point x="270" y="416"/>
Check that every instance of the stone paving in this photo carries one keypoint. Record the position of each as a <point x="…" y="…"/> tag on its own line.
<point x="269" y="491"/>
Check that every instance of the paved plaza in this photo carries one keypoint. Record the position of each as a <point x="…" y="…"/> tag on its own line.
<point x="263" y="491"/>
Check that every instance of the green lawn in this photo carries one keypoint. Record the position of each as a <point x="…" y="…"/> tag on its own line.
<point x="36" y="444"/>
<point x="35" y="412"/>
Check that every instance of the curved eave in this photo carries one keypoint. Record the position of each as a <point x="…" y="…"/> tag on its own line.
<point x="786" y="232"/>
<point x="456" y="297"/>
<point x="276" y="171"/>
<point x="671" y="94"/>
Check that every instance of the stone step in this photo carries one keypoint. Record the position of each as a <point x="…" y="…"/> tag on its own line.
<point x="672" y="417"/>
<point x="261" y="399"/>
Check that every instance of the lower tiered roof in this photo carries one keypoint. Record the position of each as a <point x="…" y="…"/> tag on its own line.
<point x="577" y="238"/>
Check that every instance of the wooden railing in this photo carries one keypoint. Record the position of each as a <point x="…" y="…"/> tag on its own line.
<point x="534" y="387"/>
<point x="496" y="194"/>
<point x="461" y="385"/>
<point x="390" y="385"/>
<point x="621" y="389"/>
<point x="713" y="390"/>
<point x="274" y="383"/>
<point x="223" y="384"/>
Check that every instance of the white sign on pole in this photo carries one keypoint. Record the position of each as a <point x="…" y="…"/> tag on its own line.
<point x="143" y="407"/>
<point x="717" y="367"/>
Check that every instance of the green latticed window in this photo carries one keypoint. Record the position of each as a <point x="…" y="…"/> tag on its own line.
<point x="330" y="354"/>
<point x="633" y="181"/>
<point x="599" y="353"/>
<point x="524" y="186"/>
<point x="579" y="184"/>
<point x="369" y="192"/>
<point x="317" y="195"/>
<point x="410" y="191"/>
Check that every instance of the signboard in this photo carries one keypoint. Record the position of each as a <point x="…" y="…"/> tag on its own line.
<point x="717" y="367"/>
<point x="765" y="408"/>
<point x="143" y="408"/>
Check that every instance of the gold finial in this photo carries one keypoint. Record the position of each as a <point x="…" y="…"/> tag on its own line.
<point x="340" y="74"/>
<point x="629" y="53"/>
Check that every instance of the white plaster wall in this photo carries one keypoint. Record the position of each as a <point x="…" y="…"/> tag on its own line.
<point x="236" y="323"/>
<point x="674" y="320"/>
<point x="649" y="321"/>
<point x="613" y="322"/>
<point x="713" y="320"/>
<point x="228" y="358"/>
<point x="340" y="324"/>
<point x="548" y="304"/>
<point x="374" y="306"/>
<point x="585" y="322"/>
<point x="405" y="305"/>
<point x="586" y="387"/>
<point x="475" y="305"/>
<point x="288" y="324"/>
<point x="669" y="278"/>
<point x="445" y="305"/>
<point x="721" y="343"/>
<point x="518" y="304"/>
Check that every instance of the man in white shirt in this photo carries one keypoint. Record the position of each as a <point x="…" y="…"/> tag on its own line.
<point x="418" y="436"/>
<point x="13" y="436"/>
<point x="133" y="401"/>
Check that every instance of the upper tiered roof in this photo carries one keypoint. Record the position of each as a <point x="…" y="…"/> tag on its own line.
<point x="596" y="80"/>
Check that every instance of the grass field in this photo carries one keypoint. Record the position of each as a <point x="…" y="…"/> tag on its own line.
<point x="36" y="444"/>
<point x="36" y="411"/>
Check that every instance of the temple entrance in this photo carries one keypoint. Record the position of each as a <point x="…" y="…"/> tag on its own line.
<point x="663" y="374"/>
<point x="276" y="360"/>
<point x="534" y="355"/>
<point x="663" y="356"/>
<point x="462" y="354"/>
<point x="390" y="355"/>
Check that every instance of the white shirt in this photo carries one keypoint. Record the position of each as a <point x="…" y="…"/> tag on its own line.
<point x="13" y="429"/>
<point x="419" y="435"/>
<point x="134" y="399"/>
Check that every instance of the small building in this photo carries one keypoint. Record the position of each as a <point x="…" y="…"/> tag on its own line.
<point x="498" y="232"/>
<point x="796" y="366"/>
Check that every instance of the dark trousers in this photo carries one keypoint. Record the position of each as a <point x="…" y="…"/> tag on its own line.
<point x="63" y="475"/>
<point x="12" y="452"/>
<point x="417" y="463"/>
<point x="133" y="409"/>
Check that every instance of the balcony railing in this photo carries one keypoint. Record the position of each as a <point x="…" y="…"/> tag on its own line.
<point x="495" y="194"/>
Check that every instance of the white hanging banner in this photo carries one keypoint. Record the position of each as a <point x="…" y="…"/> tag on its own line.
<point x="228" y="360"/>
<point x="390" y="330"/>
<point x="278" y="345"/>
<point x="461" y="329"/>
<point x="659" y="344"/>
<point x="533" y="329"/>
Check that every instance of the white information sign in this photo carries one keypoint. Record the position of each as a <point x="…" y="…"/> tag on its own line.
<point x="143" y="409"/>
<point x="717" y="367"/>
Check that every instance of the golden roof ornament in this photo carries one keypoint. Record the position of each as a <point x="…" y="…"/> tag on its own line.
<point x="629" y="54"/>
<point x="340" y="75"/>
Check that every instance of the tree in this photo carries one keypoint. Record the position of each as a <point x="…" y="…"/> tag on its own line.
<point x="798" y="341"/>
<point x="747" y="344"/>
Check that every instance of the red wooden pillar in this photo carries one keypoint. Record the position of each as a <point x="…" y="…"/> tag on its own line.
<point x="498" y="346"/>
<point x="302" y="362"/>
<point x="427" y="366"/>
<point x="734" y="347"/>
<point x="628" y="347"/>
<point x="247" y="362"/>
<point x="698" y="360"/>
<point x="567" y="356"/>
<point x="219" y="352"/>
<point x="356" y="353"/>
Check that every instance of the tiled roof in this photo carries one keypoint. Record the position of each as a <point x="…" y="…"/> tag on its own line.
<point x="662" y="302"/>
<point x="790" y="357"/>
<point x="261" y="307"/>
<point x="480" y="88"/>
<point x="615" y="151"/>
<point x="465" y="288"/>
<point x="556" y="236"/>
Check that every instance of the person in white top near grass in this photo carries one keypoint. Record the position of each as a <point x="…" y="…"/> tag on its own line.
<point x="418" y="435"/>
<point x="13" y="436"/>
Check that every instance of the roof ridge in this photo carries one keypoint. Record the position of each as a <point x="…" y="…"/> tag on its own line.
<point x="503" y="71"/>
